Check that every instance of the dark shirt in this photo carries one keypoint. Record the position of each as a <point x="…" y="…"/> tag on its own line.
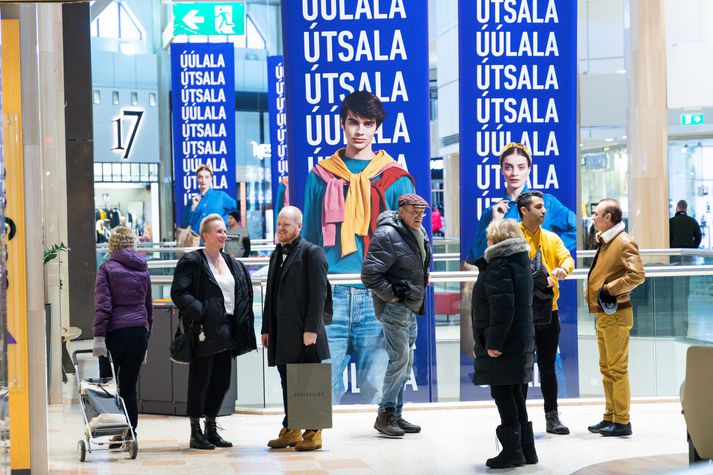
<point x="684" y="231"/>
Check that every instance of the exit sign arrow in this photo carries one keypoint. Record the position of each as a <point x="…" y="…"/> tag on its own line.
<point x="192" y="19"/>
<point x="692" y="119"/>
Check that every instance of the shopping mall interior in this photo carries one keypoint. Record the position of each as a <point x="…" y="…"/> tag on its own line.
<point x="113" y="109"/>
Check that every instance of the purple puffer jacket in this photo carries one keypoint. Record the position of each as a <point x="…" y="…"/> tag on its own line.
<point x="122" y="294"/>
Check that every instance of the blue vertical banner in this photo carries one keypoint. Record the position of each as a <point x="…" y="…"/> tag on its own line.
<point x="277" y="112"/>
<point x="203" y="105"/>
<point x="518" y="83"/>
<point x="331" y="49"/>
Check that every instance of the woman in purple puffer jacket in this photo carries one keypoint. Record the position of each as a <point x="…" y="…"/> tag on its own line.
<point x="124" y="314"/>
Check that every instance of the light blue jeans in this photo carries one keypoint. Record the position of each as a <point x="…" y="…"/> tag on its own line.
<point x="400" y="330"/>
<point x="356" y="334"/>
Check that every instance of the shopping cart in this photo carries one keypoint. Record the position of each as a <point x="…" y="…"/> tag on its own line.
<point x="104" y="414"/>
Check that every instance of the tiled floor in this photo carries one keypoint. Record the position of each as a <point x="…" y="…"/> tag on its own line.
<point x="452" y="441"/>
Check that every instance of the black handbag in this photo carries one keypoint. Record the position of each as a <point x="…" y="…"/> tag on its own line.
<point x="182" y="345"/>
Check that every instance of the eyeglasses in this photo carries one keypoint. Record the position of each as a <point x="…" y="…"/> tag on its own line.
<point x="416" y="212"/>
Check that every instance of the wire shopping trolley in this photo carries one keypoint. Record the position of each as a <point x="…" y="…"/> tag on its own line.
<point x="104" y="414"/>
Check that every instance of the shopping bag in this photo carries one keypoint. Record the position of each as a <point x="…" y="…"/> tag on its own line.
<point x="309" y="396"/>
<point x="186" y="237"/>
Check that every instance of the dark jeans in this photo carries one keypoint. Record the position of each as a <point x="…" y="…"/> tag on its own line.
<point x="547" y="339"/>
<point x="128" y="348"/>
<point x="208" y="382"/>
<point x="282" y="369"/>
<point x="511" y="403"/>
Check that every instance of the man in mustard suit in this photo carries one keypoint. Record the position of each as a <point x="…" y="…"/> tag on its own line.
<point x="616" y="271"/>
<point x="551" y="262"/>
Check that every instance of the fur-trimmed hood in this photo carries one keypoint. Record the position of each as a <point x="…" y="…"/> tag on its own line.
<point x="506" y="248"/>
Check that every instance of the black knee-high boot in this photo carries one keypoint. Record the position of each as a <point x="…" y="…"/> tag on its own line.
<point x="198" y="440"/>
<point x="528" y="443"/>
<point x="511" y="455"/>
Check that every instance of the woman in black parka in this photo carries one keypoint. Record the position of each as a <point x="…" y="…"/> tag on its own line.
<point x="504" y="337"/>
<point x="213" y="293"/>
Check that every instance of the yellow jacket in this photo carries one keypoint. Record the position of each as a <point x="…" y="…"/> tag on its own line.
<point x="617" y="266"/>
<point x="554" y="254"/>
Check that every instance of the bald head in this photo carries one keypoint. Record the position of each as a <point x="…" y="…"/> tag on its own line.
<point x="289" y="224"/>
<point x="291" y="212"/>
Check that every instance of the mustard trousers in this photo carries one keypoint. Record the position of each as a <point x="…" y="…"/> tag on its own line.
<point x="613" y="341"/>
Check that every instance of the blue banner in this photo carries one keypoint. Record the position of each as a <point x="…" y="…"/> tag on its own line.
<point x="277" y="109"/>
<point x="203" y="104"/>
<point x="518" y="83"/>
<point x="331" y="49"/>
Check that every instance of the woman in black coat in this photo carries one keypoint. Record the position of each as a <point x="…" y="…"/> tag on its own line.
<point x="213" y="292"/>
<point x="504" y="337"/>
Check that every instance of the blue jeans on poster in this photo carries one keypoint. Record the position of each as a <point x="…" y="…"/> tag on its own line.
<point x="355" y="334"/>
<point x="400" y="330"/>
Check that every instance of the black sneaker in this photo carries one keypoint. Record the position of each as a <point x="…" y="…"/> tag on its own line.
<point x="616" y="430"/>
<point x="407" y="426"/>
<point x="597" y="427"/>
<point x="387" y="425"/>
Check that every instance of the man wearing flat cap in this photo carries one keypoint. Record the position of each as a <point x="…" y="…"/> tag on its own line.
<point x="396" y="270"/>
<point x="615" y="272"/>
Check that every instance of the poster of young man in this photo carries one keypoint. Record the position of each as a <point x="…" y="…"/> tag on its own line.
<point x="357" y="104"/>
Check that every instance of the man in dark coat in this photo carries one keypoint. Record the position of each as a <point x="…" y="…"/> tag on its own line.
<point x="396" y="270"/>
<point x="684" y="231"/>
<point x="297" y="297"/>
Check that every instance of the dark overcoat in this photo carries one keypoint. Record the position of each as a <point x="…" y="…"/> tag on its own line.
<point x="502" y="315"/>
<point x="302" y="299"/>
<point x="200" y="302"/>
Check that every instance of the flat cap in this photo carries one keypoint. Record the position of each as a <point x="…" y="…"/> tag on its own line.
<point x="412" y="199"/>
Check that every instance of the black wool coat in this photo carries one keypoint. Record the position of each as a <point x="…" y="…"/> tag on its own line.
<point x="502" y="315"/>
<point x="394" y="265"/>
<point x="199" y="299"/>
<point x="300" y="304"/>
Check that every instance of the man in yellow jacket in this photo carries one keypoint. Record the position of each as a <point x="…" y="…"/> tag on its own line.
<point x="615" y="272"/>
<point x="552" y="262"/>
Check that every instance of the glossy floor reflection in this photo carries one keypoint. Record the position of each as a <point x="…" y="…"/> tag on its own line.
<point x="454" y="440"/>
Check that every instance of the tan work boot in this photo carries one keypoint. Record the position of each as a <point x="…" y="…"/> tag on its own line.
<point x="287" y="438"/>
<point x="311" y="440"/>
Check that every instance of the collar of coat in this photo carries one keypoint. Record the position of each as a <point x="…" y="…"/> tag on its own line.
<point x="506" y="248"/>
<point x="608" y="235"/>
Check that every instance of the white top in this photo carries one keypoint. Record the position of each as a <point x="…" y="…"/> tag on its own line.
<point x="227" y="285"/>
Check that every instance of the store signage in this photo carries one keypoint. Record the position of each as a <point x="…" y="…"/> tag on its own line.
<point x="277" y="109"/>
<point x="203" y="101"/>
<point x="518" y="83"/>
<point x="692" y="119"/>
<point x="208" y="18"/>
<point x="126" y="125"/>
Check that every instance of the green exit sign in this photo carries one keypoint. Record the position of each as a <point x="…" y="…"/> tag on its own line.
<point x="208" y="18"/>
<point x="692" y="119"/>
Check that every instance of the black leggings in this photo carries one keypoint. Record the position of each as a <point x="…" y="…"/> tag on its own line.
<point x="511" y="403"/>
<point x="208" y="382"/>
<point x="128" y="349"/>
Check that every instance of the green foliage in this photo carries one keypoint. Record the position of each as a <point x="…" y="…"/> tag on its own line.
<point x="54" y="251"/>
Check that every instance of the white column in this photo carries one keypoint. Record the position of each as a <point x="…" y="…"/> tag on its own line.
<point x="648" y="182"/>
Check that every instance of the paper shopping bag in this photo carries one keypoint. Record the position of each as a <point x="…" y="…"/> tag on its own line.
<point x="309" y="396"/>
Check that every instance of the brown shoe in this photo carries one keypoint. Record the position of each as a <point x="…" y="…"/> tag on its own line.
<point x="287" y="438"/>
<point x="311" y="440"/>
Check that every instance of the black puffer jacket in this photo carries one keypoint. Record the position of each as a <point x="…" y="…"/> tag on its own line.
<point x="199" y="299"/>
<point x="502" y="315"/>
<point x="394" y="265"/>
